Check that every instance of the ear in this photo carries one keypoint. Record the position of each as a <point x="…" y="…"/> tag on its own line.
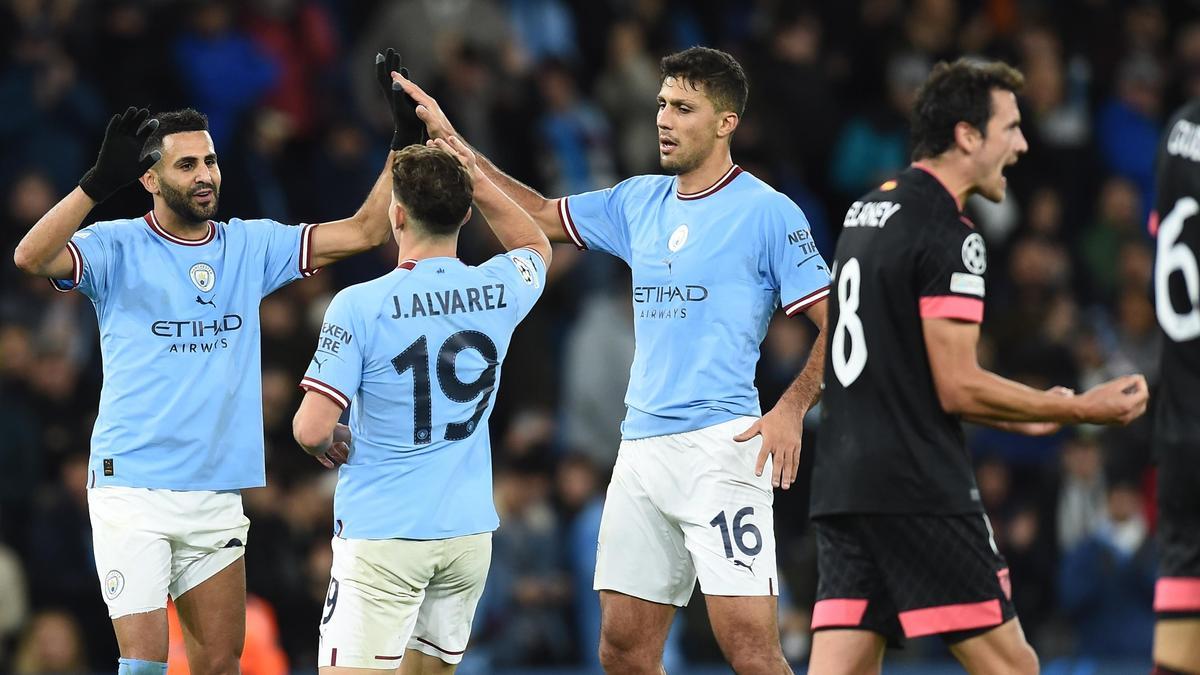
<point x="967" y="138"/>
<point x="398" y="216"/>
<point x="466" y="218"/>
<point x="727" y="124"/>
<point x="149" y="181"/>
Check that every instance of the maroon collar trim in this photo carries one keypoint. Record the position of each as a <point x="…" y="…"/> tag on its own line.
<point x="152" y="221"/>
<point x="724" y="180"/>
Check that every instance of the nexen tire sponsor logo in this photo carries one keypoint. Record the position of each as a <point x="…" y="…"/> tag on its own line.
<point x="689" y="293"/>
<point x="196" y="329"/>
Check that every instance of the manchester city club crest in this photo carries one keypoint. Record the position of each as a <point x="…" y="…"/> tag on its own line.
<point x="203" y="276"/>
<point x="678" y="238"/>
<point x="114" y="583"/>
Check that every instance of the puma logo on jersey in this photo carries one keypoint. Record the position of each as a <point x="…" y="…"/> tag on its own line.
<point x="319" y="363"/>
<point x="870" y="214"/>
<point x="749" y="566"/>
<point x="199" y="301"/>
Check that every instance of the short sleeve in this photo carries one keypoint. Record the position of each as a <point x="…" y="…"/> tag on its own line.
<point x="287" y="252"/>
<point x="596" y="220"/>
<point x="90" y="253"/>
<point x="336" y="367"/>
<point x="798" y="270"/>
<point x="950" y="268"/>
<point x="523" y="273"/>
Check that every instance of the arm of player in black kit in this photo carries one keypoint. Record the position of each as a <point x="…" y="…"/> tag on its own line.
<point x="782" y="428"/>
<point x="965" y="389"/>
<point x="43" y="250"/>
<point x="315" y="427"/>
<point x="1026" y="428"/>
<point x="543" y="211"/>
<point x="511" y="224"/>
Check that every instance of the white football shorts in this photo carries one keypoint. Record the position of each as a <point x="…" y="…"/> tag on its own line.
<point x="149" y="543"/>
<point x="388" y="595"/>
<point x="687" y="506"/>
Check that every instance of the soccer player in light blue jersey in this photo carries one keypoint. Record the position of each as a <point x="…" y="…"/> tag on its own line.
<point x="179" y="431"/>
<point x="714" y="252"/>
<point x="416" y="355"/>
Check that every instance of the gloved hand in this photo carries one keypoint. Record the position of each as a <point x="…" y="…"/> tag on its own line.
<point x="407" y="129"/>
<point x="120" y="161"/>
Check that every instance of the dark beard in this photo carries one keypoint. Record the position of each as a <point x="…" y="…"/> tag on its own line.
<point x="181" y="203"/>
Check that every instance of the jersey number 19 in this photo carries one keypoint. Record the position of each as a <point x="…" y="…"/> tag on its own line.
<point x="416" y="357"/>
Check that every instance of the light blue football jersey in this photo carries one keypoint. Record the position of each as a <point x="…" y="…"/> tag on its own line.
<point x="181" y="404"/>
<point x="418" y="352"/>
<point x="709" y="270"/>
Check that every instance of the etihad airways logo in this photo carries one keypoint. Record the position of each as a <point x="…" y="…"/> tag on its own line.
<point x="677" y="297"/>
<point x="196" y="329"/>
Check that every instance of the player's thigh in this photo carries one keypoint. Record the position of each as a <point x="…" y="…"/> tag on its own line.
<point x="726" y="513"/>
<point x="640" y="551"/>
<point x="853" y="605"/>
<point x="944" y="573"/>
<point x="1177" y="644"/>
<point x="443" y="626"/>
<point x="747" y="630"/>
<point x="376" y="588"/>
<point x="133" y="563"/>
<point x="632" y="625"/>
<point x="418" y="663"/>
<point x="846" y="651"/>
<point x="212" y="616"/>
<point x="1000" y="651"/>
<point x="208" y="575"/>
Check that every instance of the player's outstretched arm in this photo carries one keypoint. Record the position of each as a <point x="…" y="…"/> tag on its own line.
<point x="367" y="228"/>
<point x="783" y="426"/>
<point x="43" y="250"/>
<point x="967" y="390"/>
<point x="511" y="224"/>
<point x="543" y="211"/>
<point x="315" y="427"/>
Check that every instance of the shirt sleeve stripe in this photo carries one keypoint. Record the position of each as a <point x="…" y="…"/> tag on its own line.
<point x="310" y="384"/>
<point x="952" y="307"/>
<point x="804" y="303"/>
<point x="306" y="268"/>
<point x="539" y="255"/>
<point x="568" y="225"/>
<point x="76" y="269"/>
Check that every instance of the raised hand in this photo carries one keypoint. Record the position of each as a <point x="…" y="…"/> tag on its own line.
<point x="120" y="161"/>
<point x="454" y="146"/>
<point x="427" y="110"/>
<point x="406" y="128"/>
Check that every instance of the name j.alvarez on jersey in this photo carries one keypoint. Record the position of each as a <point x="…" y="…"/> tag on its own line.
<point x="452" y="301"/>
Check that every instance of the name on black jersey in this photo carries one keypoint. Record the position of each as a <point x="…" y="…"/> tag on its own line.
<point x="870" y="214"/>
<point x="453" y="301"/>
<point x="1184" y="141"/>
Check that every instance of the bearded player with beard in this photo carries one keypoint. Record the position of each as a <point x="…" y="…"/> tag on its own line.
<point x="179" y="431"/>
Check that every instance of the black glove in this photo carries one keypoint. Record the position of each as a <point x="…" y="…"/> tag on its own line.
<point x="120" y="161"/>
<point x="408" y="129"/>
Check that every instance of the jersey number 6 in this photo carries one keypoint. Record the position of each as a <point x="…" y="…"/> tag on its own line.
<point x="416" y="357"/>
<point x="1175" y="256"/>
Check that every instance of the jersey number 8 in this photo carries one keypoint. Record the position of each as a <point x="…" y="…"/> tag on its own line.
<point x="848" y="365"/>
<point x="1175" y="256"/>
<point x="416" y="357"/>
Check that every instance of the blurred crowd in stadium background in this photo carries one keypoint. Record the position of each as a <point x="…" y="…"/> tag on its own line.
<point x="561" y="93"/>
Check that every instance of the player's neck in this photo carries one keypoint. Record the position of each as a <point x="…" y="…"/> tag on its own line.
<point x="704" y="176"/>
<point x="950" y="175"/>
<point x="412" y="248"/>
<point x="176" y="226"/>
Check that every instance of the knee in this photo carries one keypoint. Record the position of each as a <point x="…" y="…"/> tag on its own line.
<point x="757" y="662"/>
<point x="216" y="664"/>
<point x="624" y="654"/>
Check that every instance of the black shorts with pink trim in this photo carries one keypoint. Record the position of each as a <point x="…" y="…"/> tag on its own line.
<point x="909" y="576"/>
<point x="1177" y="593"/>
